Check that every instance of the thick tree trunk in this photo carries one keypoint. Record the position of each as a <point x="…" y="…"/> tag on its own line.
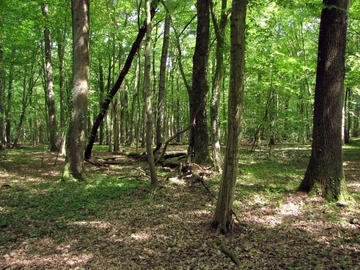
<point x="115" y="88"/>
<point x="74" y="166"/>
<point x="324" y="173"/>
<point x="50" y="94"/>
<point x="199" y="135"/>
<point x="222" y="219"/>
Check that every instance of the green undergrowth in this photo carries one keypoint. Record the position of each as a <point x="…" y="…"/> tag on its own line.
<point x="46" y="207"/>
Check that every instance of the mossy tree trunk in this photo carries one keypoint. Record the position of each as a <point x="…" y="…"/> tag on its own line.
<point x="324" y="174"/>
<point x="222" y="219"/>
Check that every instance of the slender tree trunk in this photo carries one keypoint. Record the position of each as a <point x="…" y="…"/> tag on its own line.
<point x="347" y="116"/>
<point x="199" y="136"/>
<point x="116" y="130"/>
<point x="74" y="166"/>
<point x="216" y="83"/>
<point x="8" y="108"/>
<point x="162" y="82"/>
<point x="222" y="219"/>
<point x="2" y="90"/>
<point x="324" y="173"/>
<point x="102" y="92"/>
<point x="50" y="94"/>
<point x="147" y="99"/>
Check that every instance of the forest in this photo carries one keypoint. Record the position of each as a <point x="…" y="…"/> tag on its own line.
<point x="182" y="134"/>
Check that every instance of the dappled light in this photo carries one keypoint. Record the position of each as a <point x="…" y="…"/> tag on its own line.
<point x="113" y="220"/>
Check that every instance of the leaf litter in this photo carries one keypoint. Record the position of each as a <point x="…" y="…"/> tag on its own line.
<point x="169" y="229"/>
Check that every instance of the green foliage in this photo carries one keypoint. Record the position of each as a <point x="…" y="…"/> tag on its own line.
<point x="57" y="203"/>
<point x="281" y="54"/>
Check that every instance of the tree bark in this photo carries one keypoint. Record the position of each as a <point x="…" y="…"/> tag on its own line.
<point x="147" y="97"/>
<point x="74" y="166"/>
<point x="219" y="29"/>
<point x="50" y="94"/>
<point x="222" y="219"/>
<point x="324" y="173"/>
<point x="162" y="82"/>
<point x="2" y="89"/>
<point x="115" y="88"/>
<point x="199" y="136"/>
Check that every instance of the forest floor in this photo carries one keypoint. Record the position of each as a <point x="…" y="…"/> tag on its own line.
<point x="114" y="221"/>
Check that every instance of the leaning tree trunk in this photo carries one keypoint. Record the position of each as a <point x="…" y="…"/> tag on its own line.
<point x="222" y="219"/>
<point x="199" y="137"/>
<point x="105" y="105"/>
<point x="74" y="166"/>
<point x="324" y="173"/>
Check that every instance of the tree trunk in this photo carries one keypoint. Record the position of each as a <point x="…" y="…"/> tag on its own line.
<point x="147" y="97"/>
<point x="116" y="127"/>
<point x="50" y="94"/>
<point x="222" y="219"/>
<point x="324" y="173"/>
<point x="124" y="71"/>
<point x="216" y="83"/>
<point x="74" y="166"/>
<point x="2" y="90"/>
<point x="162" y="82"/>
<point x="199" y="137"/>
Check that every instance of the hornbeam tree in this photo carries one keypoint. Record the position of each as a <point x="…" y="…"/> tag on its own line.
<point x="74" y="166"/>
<point x="222" y="219"/>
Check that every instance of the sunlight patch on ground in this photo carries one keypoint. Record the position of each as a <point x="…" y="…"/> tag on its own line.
<point x="290" y="209"/>
<point x="27" y="255"/>
<point x="141" y="236"/>
<point x="94" y="224"/>
<point x="354" y="186"/>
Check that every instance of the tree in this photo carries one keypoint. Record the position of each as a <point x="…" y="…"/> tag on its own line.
<point x="324" y="173"/>
<point x="162" y="80"/>
<point x="50" y="94"/>
<point x="199" y="138"/>
<point x="222" y="219"/>
<point x="147" y="98"/>
<point x="219" y="29"/>
<point x="105" y="105"/>
<point x="74" y="166"/>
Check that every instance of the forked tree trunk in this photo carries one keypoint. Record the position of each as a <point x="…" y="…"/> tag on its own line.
<point x="325" y="174"/>
<point x="222" y="219"/>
